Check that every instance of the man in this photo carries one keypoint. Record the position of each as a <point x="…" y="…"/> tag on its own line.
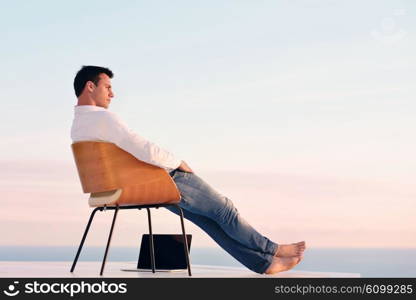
<point x="201" y="204"/>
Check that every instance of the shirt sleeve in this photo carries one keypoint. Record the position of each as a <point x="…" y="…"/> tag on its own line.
<point x="138" y="146"/>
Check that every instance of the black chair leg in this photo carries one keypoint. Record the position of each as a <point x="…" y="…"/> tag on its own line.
<point x="109" y="240"/>
<point x="185" y="240"/>
<point x="83" y="237"/>
<point x="152" y="247"/>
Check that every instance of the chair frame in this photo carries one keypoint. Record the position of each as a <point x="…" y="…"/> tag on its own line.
<point x="151" y="242"/>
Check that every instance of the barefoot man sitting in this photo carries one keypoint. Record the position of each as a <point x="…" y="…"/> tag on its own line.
<point x="201" y="204"/>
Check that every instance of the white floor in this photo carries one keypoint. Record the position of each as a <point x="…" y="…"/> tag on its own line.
<point x="113" y="269"/>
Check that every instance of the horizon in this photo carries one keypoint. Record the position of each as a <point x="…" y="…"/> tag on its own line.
<point x="207" y="247"/>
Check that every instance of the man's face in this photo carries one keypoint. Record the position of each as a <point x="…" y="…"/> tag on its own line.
<point x="102" y="93"/>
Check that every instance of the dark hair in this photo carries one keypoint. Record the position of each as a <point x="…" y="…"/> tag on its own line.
<point x="89" y="73"/>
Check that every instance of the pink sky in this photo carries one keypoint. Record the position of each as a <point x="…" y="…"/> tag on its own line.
<point x="43" y="205"/>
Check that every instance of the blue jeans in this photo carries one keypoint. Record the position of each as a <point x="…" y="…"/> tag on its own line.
<point x="217" y="216"/>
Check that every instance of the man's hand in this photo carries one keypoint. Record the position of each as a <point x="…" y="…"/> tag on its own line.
<point x="184" y="167"/>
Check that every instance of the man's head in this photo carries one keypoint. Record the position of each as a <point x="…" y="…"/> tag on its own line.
<point x="92" y="86"/>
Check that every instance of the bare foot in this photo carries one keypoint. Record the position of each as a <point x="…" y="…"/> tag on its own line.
<point x="295" y="249"/>
<point x="280" y="264"/>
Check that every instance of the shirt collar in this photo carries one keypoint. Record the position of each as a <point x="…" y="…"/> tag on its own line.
<point x="88" y="108"/>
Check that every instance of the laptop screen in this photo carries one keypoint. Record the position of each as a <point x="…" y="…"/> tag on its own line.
<point x="169" y="252"/>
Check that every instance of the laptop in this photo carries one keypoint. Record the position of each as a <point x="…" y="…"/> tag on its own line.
<point x="169" y="253"/>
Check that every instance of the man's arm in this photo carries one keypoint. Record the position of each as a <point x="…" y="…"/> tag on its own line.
<point x="120" y="134"/>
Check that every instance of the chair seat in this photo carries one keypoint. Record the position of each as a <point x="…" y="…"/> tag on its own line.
<point x="115" y="177"/>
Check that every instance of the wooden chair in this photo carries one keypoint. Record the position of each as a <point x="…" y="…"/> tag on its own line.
<point x="117" y="180"/>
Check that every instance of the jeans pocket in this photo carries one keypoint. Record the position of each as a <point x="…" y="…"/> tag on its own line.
<point x="179" y="173"/>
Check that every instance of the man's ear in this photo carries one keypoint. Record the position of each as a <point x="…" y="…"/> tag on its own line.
<point x="90" y="86"/>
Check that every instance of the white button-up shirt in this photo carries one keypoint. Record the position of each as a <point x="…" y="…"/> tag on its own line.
<point x="92" y="123"/>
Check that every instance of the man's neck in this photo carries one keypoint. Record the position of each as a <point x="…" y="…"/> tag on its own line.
<point x="82" y="100"/>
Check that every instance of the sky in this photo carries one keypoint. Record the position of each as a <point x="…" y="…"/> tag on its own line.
<point x="301" y="112"/>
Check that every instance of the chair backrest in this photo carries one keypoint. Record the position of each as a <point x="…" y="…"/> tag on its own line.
<point x="103" y="167"/>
